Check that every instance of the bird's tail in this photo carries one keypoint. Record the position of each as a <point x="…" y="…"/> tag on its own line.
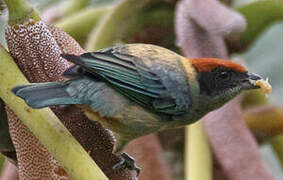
<point x="39" y="95"/>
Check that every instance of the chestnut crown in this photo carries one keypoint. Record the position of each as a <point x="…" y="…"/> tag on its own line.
<point x="222" y="77"/>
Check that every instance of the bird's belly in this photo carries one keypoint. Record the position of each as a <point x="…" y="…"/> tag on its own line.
<point x="133" y="121"/>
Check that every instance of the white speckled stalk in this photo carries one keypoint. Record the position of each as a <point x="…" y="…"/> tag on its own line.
<point x="33" y="41"/>
<point x="36" y="53"/>
<point x="65" y="42"/>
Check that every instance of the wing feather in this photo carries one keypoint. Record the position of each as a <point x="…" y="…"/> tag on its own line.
<point x="134" y="80"/>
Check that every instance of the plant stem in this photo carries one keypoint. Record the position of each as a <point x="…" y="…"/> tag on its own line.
<point x="198" y="159"/>
<point x="46" y="126"/>
<point x="75" y="6"/>
<point x="20" y="12"/>
<point x="2" y="159"/>
<point x="80" y="24"/>
<point x="114" y="24"/>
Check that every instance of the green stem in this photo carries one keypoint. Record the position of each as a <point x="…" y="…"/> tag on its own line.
<point x="198" y="158"/>
<point x="20" y="12"/>
<point x="86" y="20"/>
<point x="46" y="126"/>
<point x="259" y="15"/>
<point x="2" y="159"/>
<point x="113" y="25"/>
<point x="75" y="6"/>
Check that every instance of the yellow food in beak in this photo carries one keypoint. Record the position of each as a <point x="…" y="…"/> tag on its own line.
<point x="264" y="85"/>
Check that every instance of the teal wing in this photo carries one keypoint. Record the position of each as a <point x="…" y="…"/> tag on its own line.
<point x="133" y="80"/>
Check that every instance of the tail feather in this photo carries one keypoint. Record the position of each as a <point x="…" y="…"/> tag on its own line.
<point x="39" y="95"/>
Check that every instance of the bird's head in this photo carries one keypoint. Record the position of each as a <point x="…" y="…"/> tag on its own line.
<point x="221" y="80"/>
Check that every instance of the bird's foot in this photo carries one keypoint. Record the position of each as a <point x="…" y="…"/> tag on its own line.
<point x="127" y="162"/>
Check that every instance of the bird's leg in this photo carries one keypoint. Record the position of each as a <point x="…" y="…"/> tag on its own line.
<point x="127" y="162"/>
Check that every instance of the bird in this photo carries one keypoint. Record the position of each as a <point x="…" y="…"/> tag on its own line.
<point x="137" y="89"/>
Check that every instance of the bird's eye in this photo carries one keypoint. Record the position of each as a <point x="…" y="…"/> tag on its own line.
<point x="223" y="76"/>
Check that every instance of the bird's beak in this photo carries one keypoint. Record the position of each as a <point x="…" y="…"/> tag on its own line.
<point x="250" y="81"/>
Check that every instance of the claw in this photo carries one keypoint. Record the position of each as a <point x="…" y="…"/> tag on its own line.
<point x="127" y="162"/>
